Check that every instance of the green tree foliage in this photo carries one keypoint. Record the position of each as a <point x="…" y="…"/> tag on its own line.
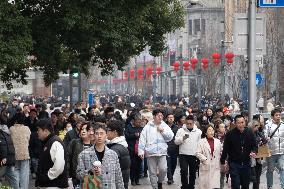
<point x="15" y="44"/>
<point x="79" y="33"/>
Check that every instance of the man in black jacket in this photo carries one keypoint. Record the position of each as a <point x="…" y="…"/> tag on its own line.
<point x="52" y="169"/>
<point x="118" y="144"/>
<point x="172" y="149"/>
<point x="239" y="147"/>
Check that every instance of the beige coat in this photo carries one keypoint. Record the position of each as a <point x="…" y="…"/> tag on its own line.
<point x="209" y="170"/>
<point x="20" y="135"/>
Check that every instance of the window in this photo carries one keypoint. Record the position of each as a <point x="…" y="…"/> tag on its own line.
<point x="196" y="26"/>
<point x="203" y="26"/>
<point x="189" y="27"/>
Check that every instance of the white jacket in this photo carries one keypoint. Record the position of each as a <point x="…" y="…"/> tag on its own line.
<point x="152" y="142"/>
<point x="189" y="145"/>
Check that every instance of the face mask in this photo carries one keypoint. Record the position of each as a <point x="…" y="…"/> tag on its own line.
<point x="226" y="122"/>
<point x="69" y="128"/>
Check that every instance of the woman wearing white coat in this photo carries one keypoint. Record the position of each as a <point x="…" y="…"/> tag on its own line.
<point x="209" y="152"/>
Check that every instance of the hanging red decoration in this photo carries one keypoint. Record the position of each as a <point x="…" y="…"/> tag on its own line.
<point x="159" y="70"/>
<point x="193" y="61"/>
<point x="186" y="66"/>
<point x="125" y="75"/>
<point x="216" y="56"/>
<point x="229" y="55"/>
<point x="149" y="71"/>
<point x="140" y="71"/>
<point x="176" y="66"/>
<point x="205" y="62"/>
<point x="140" y="77"/>
<point x="132" y="74"/>
<point x="230" y="60"/>
<point x="216" y="62"/>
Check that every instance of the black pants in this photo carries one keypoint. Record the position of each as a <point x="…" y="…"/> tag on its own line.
<point x="188" y="164"/>
<point x="172" y="164"/>
<point x="258" y="169"/>
<point x="240" y="175"/>
<point x="135" y="167"/>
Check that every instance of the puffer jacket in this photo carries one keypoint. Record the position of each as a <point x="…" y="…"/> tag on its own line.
<point x="7" y="149"/>
<point x="152" y="142"/>
<point x="119" y="145"/>
<point x="276" y="143"/>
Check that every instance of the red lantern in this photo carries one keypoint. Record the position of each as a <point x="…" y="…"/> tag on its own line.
<point x="193" y="61"/>
<point x="204" y="61"/>
<point x="186" y="66"/>
<point x="230" y="61"/>
<point x="140" y="77"/>
<point x="149" y="71"/>
<point x="216" y="56"/>
<point x="125" y="75"/>
<point x="229" y="55"/>
<point x="140" y="71"/>
<point x="216" y="62"/>
<point x="159" y="70"/>
<point x="132" y="74"/>
<point x="176" y="66"/>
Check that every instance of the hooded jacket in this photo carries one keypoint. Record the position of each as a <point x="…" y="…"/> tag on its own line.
<point x="7" y="149"/>
<point x="119" y="145"/>
<point x="152" y="142"/>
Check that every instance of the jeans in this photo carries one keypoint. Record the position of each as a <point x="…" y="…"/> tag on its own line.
<point x="11" y="176"/>
<point x="23" y="169"/>
<point x="172" y="164"/>
<point x="157" y="163"/>
<point x="34" y="165"/>
<point x="190" y="163"/>
<point x="272" y="162"/>
<point x="240" y="175"/>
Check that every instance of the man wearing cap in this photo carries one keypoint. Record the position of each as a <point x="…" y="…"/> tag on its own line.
<point x="52" y="172"/>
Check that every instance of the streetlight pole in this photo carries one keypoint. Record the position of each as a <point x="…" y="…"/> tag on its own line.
<point x="154" y="81"/>
<point x="223" y="82"/>
<point x="180" y="77"/>
<point x="136" y="75"/>
<point x="128" y="80"/>
<point x="199" y="77"/>
<point x="252" y="69"/>
<point x="144" y="76"/>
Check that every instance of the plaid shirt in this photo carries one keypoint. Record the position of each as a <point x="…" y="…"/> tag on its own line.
<point x="111" y="172"/>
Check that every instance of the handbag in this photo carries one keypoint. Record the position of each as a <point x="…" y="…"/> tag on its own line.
<point x="263" y="151"/>
<point x="92" y="182"/>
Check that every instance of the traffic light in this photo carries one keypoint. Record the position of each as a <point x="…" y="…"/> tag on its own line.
<point x="74" y="73"/>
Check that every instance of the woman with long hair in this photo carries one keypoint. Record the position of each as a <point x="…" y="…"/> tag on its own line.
<point x="209" y="152"/>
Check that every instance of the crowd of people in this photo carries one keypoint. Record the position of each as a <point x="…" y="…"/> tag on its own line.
<point x="59" y="147"/>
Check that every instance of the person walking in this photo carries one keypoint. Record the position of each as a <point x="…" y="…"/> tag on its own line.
<point x="153" y="145"/>
<point x="172" y="149"/>
<point x="239" y="147"/>
<point x="274" y="131"/>
<point x="7" y="157"/>
<point x="52" y="167"/>
<point x="75" y="147"/>
<point x="20" y="135"/>
<point x="188" y="138"/>
<point x="110" y="167"/>
<point x="117" y="143"/>
<point x="132" y="134"/>
<point x="209" y="152"/>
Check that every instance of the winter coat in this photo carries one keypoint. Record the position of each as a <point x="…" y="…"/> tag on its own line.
<point x="152" y="142"/>
<point x="70" y="135"/>
<point x="209" y="168"/>
<point x="7" y="149"/>
<point x="276" y="143"/>
<point x="35" y="145"/>
<point x="111" y="172"/>
<point x="189" y="145"/>
<point x="119" y="145"/>
<point x="74" y="148"/>
<point x="21" y="136"/>
<point x="131" y="138"/>
<point x="172" y="147"/>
